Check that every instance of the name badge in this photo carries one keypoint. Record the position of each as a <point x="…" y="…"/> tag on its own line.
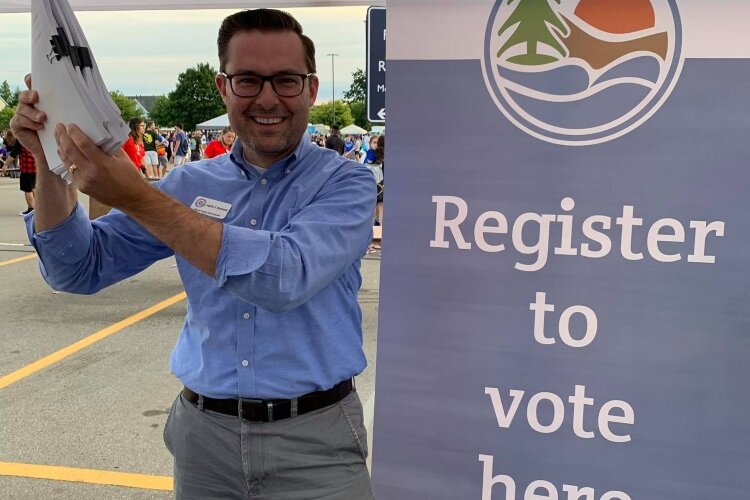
<point x="211" y="208"/>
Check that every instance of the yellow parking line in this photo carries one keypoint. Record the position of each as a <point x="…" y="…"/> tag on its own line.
<point x="63" y="353"/>
<point x="90" y="476"/>
<point x="19" y="259"/>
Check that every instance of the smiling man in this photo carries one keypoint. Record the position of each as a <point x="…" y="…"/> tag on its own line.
<point x="268" y="91"/>
<point x="268" y="241"/>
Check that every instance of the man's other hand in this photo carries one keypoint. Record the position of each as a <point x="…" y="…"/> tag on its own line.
<point x="111" y="179"/>
<point x="28" y="120"/>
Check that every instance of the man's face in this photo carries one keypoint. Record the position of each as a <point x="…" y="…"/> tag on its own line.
<point x="269" y="126"/>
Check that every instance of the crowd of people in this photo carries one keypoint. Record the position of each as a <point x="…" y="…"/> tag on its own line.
<point x="366" y="149"/>
<point x="152" y="152"/>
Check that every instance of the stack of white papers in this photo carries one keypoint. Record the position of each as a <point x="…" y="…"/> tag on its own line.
<point x="70" y="87"/>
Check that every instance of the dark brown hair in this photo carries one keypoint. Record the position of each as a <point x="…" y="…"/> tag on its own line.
<point x="262" y="20"/>
<point x="10" y="137"/>
<point x="133" y="124"/>
<point x="380" y="152"/>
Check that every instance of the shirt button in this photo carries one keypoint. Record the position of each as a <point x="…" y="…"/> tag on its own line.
<point x="246" y="315"/>
<point x="264" y="181"/>
<point x="253" y="222"/>
<point x="245" y="362"/>
<point x="288" y="171"/>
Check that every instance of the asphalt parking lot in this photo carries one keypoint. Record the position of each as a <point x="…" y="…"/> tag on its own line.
<point x="85" y="384"/>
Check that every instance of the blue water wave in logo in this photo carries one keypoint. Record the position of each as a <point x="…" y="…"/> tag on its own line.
<point x="605" y="106"/>
<point x="643" y="67"/>
<point x="563" y="80"/>
<point x="572" y="79"/>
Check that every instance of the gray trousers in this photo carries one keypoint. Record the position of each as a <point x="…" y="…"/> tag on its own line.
<point x="318" y="455"/>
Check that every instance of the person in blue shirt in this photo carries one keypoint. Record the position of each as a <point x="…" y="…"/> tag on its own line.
<point x="371" y="154"/>
<point x="180" y="148"/>
<point x="268" y="241"/>
<point x="348" y="144"/>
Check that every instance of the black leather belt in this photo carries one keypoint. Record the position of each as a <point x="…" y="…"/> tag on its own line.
<point x="262" y="410"/>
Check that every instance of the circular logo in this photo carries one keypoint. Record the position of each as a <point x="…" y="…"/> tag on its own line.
<point x="200" y="202"/>
<point x="581" y="72"/>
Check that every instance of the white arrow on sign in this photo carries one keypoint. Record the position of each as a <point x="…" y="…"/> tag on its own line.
<point x="381" y="114"/>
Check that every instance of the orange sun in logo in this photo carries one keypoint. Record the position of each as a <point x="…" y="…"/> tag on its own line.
<point x="617" y="16"/>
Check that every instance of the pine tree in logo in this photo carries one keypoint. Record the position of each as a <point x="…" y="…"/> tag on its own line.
<point x="535" y="20"/>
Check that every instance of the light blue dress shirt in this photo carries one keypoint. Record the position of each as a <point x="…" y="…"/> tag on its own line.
<point x="281" y="318"/>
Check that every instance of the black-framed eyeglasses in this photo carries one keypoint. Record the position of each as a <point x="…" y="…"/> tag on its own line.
<point x="284" y="84"/>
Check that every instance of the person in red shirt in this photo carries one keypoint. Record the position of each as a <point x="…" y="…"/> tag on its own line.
<point x="26" y="166"/>
<point x="133" y="147"/>
<point x="221" y="146"/>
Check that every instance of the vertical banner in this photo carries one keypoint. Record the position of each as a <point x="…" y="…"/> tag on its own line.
<point x="564" y="302"/>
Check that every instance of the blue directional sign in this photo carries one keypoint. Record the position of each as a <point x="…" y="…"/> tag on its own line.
<point x="376" y="64"/>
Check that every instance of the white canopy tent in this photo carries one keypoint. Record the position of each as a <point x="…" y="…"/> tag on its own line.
<point x="217" y="123"/>
<point x="25" y="5"/>
<point x="353" y="130"/>
<point x="318" y="128"/>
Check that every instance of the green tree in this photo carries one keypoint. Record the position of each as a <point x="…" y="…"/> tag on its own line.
<point x="9" y="96"/>
<point x="323" y="113"/>
<point x="128" y="107"/>
<point x="356" y="97"/>
<point x="161" y="112"/>
<point x="359" y="113"/>
<point x="196" y="98"/>
<point x="13" y="101"/>
<point x="358" y="89"/>
<point x="6" y="93"/>
<point x="535" y="19"/>
<point x="5" y="115"/>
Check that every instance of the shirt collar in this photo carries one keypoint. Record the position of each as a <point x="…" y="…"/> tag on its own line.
<point x="287" y="164"/>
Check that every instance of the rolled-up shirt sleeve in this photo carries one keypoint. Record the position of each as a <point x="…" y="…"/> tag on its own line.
<point x="279" y="270"/>
<point x="242" y="252"/>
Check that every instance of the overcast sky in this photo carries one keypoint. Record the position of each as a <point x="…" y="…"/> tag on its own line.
<point x="143" y="52"/>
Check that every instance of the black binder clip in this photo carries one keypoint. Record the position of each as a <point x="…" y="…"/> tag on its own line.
<point x="81" y="57"/>
<point x="61" y="47"/>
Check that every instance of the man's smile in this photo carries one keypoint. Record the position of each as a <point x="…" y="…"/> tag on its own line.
<point x="268" y="120"/>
